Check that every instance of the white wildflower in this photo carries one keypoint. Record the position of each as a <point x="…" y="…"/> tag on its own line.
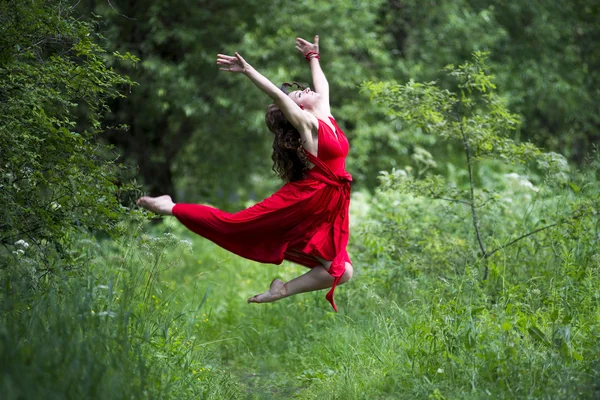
<point x="424" y="157"/>
<point x="187" y="244"/>
<point x="22" y="243"/>
<point x="18" y="252"/>
<point x="106" y="314"/>
<point x="557" y="161"/>
<point x="525" y="183"/>
<point x="400" y="173"/>
<point x="520" y="180"/>
<point x="55" y="206"/>
<point x="512" y="175"/>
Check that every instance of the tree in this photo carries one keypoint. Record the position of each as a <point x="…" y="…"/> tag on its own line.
<point x="200" y="134"/>
<point x="542" y="54"/>
<point x="55" y="178"/>
<point x="477" y="118"/>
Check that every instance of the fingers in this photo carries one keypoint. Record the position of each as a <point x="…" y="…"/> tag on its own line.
<point x="302" y="42"/>
<point x="232" y="64"/>
<point x="304" y="45"/>
<point x="239" y="57"/>
<point x="299" y="49"/>
<point x="229" y="63"/>
<point x="225" y="57"/>
<point x="225" y="60"/>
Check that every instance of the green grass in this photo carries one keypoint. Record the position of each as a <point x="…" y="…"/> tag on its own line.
<point x="163" y="314"/>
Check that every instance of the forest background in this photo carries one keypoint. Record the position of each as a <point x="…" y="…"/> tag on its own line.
<point x="473" y="128"/>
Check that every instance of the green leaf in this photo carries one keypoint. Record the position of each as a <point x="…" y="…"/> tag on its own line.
<point x="537" y="335"/>
<point x="574" y="187"/>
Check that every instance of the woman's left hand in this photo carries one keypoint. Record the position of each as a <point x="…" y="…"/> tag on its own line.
<point x="306" y="47"/>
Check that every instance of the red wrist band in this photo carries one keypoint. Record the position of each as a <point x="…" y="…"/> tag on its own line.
<point x="312" y="54"/>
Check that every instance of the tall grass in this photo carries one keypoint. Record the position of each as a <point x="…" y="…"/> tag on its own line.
<point x="163" y="314"/>
<point x="106" y="330"/>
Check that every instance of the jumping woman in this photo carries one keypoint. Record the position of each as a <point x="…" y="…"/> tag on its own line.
<point x="306" y="221"/>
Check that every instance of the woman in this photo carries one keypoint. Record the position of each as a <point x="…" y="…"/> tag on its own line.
<point x="306" y="221"/>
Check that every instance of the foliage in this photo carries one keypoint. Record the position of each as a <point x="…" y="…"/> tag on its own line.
<point x="113" y="329"/>
<point x="54" y="177"/>
<point x="415" y="322"/>
<point x="199" y="134"/>
<point x="479" y="119"/>
<point x="541" y="53"/>
<point x="511" y="336"/>
<point x="142" y="316"/>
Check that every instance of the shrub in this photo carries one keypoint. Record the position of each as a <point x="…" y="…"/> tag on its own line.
<point x="55" y="177"/>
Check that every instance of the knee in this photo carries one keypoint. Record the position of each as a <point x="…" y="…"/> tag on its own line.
<point x="348" y="274"/>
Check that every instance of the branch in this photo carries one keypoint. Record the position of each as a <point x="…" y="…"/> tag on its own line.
<point x="532" y="233"/>
<point x="438" y="197"/>
<point x="523" y="237"/>
<point x="484" y="202"/>
<point x="125" y="16"/>
<point x="472" y="194"/>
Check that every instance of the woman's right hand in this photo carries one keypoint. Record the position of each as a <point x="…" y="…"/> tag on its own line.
<point x="232" y="64"/>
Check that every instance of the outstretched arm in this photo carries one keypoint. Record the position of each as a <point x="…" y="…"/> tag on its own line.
<point x="320" y="84"/>
<point x="302" y="120"/>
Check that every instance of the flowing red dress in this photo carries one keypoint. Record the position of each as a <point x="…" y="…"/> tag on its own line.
<point x="303" y="219"/>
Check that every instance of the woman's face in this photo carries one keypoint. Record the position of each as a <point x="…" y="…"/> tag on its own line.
<point x="306" y="99"/>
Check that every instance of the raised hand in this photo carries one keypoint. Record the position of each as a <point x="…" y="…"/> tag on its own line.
<point x="306" y="47"/>
<point x="232" y="64"/>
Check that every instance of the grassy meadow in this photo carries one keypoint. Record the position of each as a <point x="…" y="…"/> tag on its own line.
<point x="475" y="244"/>
<point x="162" y="313"/>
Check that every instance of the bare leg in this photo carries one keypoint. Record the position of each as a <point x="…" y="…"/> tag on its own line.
<point x="162" y="205"/>
<point x="316" y="279"/>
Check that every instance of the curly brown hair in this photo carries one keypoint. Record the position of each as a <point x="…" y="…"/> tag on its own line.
<point x="289" y="159"/>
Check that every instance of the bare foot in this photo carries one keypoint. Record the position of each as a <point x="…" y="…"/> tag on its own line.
<point x="162" y="205"/>
<point x="276" y="291"/>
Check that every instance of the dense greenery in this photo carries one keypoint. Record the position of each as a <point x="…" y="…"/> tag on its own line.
<point x="196" y="133"/>
<point x="55" y="178"/>
<point x="475" y="225"/>
<point x="149" y="317"/>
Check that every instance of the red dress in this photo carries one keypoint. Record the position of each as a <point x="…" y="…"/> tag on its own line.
<point x="303" y="219"/>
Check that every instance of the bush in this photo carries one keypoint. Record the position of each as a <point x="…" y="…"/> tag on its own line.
<point x="55" y="177"/>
